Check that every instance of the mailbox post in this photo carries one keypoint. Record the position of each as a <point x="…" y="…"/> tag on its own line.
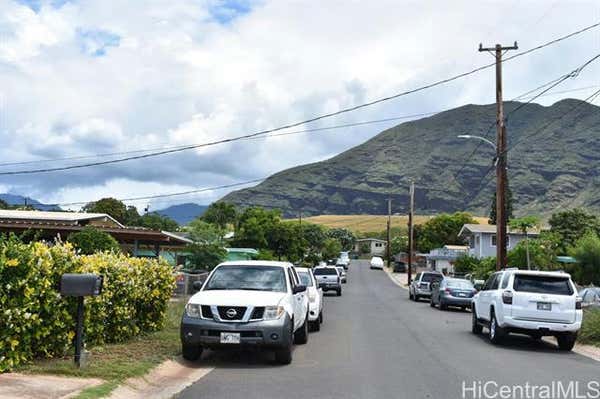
<point x="80" y="286"/>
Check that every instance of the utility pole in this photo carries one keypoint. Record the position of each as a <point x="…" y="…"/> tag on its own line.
<point x="410" y="230"/>
<point x="389" y="225"/>
<point x="501" y="184"/>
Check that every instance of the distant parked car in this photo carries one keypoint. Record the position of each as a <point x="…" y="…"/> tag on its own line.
<point x="528" y="302"/>
<point x="344" y="260"/>
<point x="590" y="297"/>
<point x="328" y="279"/>
<point x="315" y="298"/>
<point x="376" y="262"/>
<point x="456" y="292"/>
<point x="399" y="267"/>
<point x="420" y="287"/>
<point x="343" y="274"/>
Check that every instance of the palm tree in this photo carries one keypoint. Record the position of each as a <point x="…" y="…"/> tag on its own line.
<point x="524" y="224"/>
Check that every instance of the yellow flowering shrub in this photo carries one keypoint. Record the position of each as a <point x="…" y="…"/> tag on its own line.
<point x="35" y="321"/>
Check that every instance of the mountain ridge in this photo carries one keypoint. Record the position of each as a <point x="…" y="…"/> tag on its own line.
<point x="548" y="168"/>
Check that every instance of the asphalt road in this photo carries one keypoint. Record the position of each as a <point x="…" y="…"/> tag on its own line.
<point x="375" y="343"/>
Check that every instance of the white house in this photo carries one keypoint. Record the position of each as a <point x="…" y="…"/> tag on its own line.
<point x="442" y="259"/>
<point x="481" y="239"/>
<point x="376" y="246"/>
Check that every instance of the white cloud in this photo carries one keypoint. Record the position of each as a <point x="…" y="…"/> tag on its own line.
<point x="93" y="76"/>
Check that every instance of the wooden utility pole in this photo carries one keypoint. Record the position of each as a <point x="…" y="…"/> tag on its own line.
<point x="501" y="184"/>
<point x="388" y="248"/>
<point x="410" y="230"/>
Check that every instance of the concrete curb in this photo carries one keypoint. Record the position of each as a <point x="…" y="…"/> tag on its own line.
<point x="394" y="279"/>
<point x="164" y="381"/>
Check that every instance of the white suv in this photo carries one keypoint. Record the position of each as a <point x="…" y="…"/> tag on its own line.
<point x="528" y="302"/>
<point x="247" y="303"/>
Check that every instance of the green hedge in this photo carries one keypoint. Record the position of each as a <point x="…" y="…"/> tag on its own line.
<point x="35" y="321"/>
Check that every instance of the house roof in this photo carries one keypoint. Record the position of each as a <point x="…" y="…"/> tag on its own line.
<point x="491" y="229"/>
<point x="57" y="217"/>
<point x="370" y="239"/>
<point x="457" y="247"/>
<point x="243" y="250"/>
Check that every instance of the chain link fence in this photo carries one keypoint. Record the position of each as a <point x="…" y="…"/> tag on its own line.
<point x="185" y="283"/>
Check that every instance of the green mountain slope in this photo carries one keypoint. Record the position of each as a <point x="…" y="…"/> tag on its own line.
<point x="549" y="167"/>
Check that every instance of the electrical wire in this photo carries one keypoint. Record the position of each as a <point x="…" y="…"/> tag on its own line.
<point x="310" y="120"/>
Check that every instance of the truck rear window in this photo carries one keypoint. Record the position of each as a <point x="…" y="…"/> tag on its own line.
<point x="543" y="285"/>
<point x="325" y="271"/>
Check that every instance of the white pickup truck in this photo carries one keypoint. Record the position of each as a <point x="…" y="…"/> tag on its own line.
<point x="247" y="303"/>
<point x="528" y="302"/>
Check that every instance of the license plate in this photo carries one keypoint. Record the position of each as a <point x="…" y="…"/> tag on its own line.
<point x="230" y="338"/>
<point x="544" y="306"/>
<point x="462" y="294"/>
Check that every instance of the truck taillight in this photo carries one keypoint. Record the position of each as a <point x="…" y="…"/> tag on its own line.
<point x="578" y="302"/>
<point x="507" y="297"/>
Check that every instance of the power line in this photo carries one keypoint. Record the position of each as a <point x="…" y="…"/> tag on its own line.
<point x="548" y="86"/>
<point x="199" y="190"/>
<point x="352" y="124"/>
<point x="333" y="127"/>
<point x="310" y="120"/>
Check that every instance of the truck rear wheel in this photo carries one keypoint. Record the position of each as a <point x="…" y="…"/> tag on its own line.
<point x="566" y="341"/>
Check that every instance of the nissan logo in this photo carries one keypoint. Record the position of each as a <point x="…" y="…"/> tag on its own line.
<point x="231" y="313"/>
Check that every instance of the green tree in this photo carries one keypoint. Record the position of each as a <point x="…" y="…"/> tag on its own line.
<point x="345" y="237"/>
<point x="127" y="215"/>
<point x="509" y="207"/>
<point x="542" y="253"/>
<point x="3" y="204"/>
<point x="484" y="269"/>
<point x="523" y="225"/>
<point x="466" y="264"/>
<point x="364" y="248"/>
<point x="156" y="221"/>
<point x="399" y="244"/>
<point x="220" y="214"/>
<point x="204" y="233"/>
<point x="285" y="241"/>
<point x="571" y="225"/>
<point x="331" y="248"/>
<point x="205" y="256"/>
<point x="442" y="230"/>
<point x="587" y="253"/>
<point x="313" y="236"/>
<point x="91" y="240"/>
<point x="254" y="225"/>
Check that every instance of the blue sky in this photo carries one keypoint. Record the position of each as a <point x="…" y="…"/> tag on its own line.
<point x="225" y="11"/>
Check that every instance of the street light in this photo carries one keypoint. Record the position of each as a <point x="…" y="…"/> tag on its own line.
<point x="468" y="136"/>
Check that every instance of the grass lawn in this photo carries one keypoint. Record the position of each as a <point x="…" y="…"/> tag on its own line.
<point x="590" y="328"/>
<point x="114" y="363"/>
<point x="370" y="223"/>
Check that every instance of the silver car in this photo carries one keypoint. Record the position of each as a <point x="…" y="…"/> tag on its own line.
<point x="420" y="287"/>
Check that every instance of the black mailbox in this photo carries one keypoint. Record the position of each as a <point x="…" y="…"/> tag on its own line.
<point x="81" y="284"/>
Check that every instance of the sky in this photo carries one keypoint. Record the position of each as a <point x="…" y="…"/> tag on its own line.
<point x="87" y="77"/>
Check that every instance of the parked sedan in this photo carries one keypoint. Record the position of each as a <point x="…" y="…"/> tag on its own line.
<point x="342" y="272"/>
<point x="315" y="298"/>
<point x="452" y="292"/>
<point x="590" y="297"/>
<point x="376" y="263"/>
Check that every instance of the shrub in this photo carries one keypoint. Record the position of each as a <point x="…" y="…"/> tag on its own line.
<point x="590" y="329"/>
<point x="35" y="321"/>
<point x="91" y="240"/>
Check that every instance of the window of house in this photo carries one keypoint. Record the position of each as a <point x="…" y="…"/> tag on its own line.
<point x="493" y="238"/>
